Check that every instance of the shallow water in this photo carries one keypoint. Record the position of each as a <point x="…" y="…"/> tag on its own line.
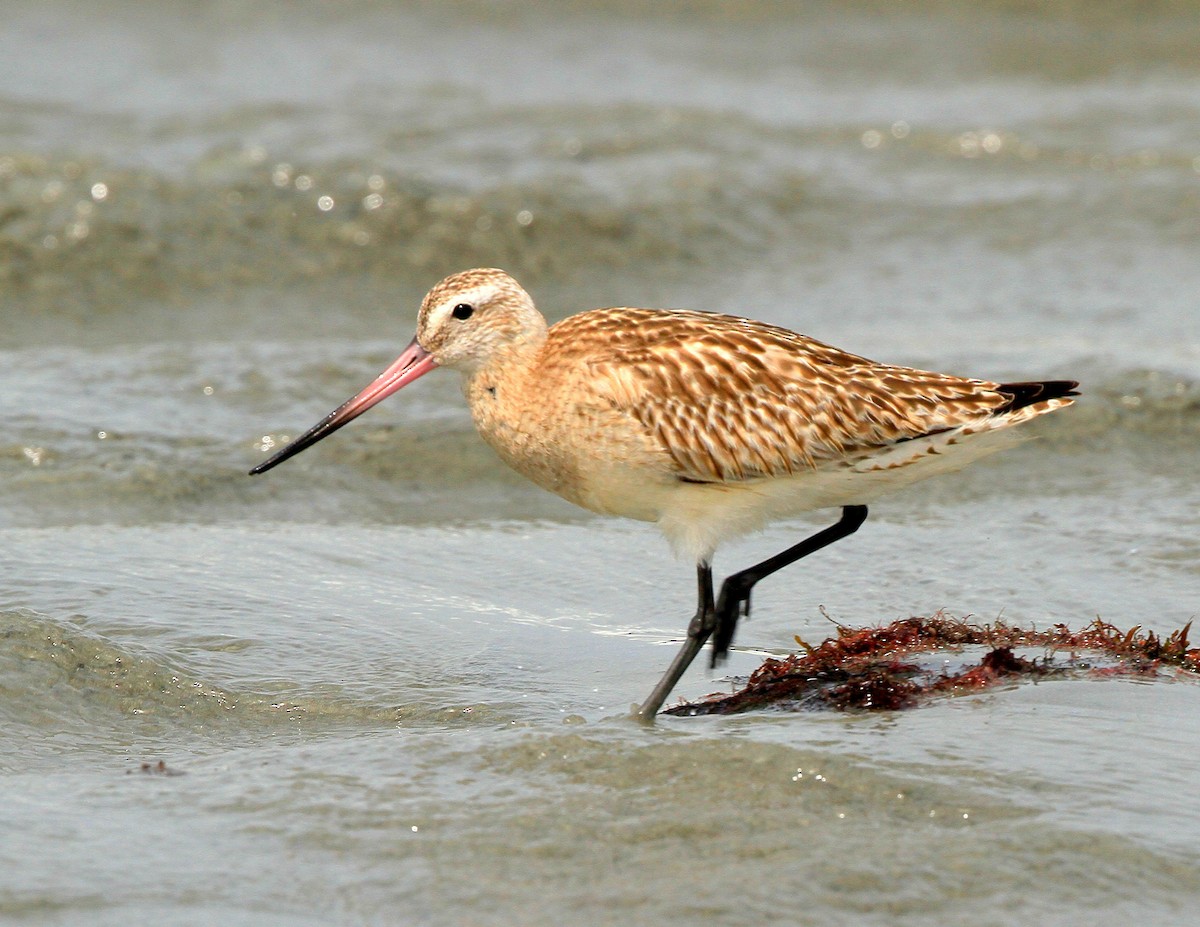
<point x="395" y="678"/>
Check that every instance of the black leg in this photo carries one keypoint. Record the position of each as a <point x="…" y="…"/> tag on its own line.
<point x="734" y="600"/>
<point x="698" y="631"/>
<point x="720" y="620"/>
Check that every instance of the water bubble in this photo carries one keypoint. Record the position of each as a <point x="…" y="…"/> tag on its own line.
<point x="372" y="201"/>
<point x="304" y="183"/>
<point x="991" y="142"/>
<point x="900" y="129"/>
<point x="325" y="203"/>
<point x="376" y="182"/>
<point x="52" y="191"/>
<point x="872" y="138"/>
<point x="99" y="192"/>
<point x="282" y="175"/>
<point x="483" y="223"/>
<point x="524" y="218"/>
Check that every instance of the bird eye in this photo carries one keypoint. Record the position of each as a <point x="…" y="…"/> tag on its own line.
<point x="462" y="311"/>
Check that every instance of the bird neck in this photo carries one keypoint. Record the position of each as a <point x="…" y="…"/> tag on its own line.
<point x="507" y="363"/>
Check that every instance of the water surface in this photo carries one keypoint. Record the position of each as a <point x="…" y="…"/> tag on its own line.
<point x="394" y="679"/>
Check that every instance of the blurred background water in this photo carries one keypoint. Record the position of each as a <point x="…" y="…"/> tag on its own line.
<point x="393" y="675"/>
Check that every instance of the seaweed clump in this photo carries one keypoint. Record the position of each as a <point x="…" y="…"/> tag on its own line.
<point x="877" y="669"/>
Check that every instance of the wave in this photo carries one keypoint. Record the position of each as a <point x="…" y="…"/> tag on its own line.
<point x="60" y="671"/>
<point x="87" y="232"/>
<point x="541" y="190"/>
<point x="1134" y="405"/>
<point x="57" y="674"/>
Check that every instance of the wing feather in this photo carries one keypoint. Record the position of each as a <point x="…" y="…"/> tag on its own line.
<point x="730" y="399"/>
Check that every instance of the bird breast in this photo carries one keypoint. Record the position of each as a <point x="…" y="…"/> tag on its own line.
<point x="554" y="427"/>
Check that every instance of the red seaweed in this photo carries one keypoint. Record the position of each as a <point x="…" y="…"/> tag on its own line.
<point x="873" y="669"/>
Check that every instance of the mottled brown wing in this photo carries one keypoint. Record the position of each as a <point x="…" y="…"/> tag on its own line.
<point x="731" y="399"/>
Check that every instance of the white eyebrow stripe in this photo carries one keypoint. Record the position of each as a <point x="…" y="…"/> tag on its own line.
<point x="476" y="296"/>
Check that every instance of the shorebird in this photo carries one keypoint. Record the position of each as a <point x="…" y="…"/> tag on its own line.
<point x="708" y="425"/>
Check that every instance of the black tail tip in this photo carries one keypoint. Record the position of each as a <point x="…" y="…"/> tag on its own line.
<point x="1026" y="394"/>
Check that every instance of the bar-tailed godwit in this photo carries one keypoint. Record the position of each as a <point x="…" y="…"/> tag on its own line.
<point x="707" y="425"/>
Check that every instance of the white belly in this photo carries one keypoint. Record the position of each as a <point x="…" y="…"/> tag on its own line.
<point x="697" y="517"/>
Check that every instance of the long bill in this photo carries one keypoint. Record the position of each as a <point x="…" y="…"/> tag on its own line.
<point x="413" y="363"/>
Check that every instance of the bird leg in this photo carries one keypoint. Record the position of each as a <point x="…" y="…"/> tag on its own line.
<point x="699" y="629"/>
<point x="720" y="620"/>
<point x="734" y="599"/>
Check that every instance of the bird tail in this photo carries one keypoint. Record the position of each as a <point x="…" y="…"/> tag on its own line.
<point x="1026" y="394"/>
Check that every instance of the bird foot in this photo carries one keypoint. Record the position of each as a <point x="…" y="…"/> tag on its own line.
<point x="733" y="603"/>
